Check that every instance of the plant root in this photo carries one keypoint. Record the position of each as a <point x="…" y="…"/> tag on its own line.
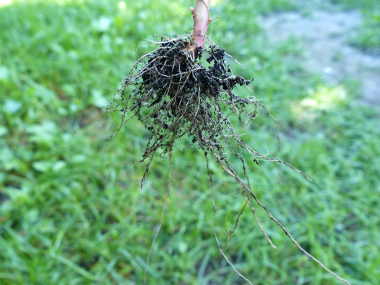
<point x="177" y="97"/>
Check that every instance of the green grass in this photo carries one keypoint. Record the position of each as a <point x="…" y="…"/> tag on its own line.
<point x="367" y="37"/>
<point x="71" y="208"/>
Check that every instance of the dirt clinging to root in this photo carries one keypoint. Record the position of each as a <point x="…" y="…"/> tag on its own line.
<point x="174" y="95"/>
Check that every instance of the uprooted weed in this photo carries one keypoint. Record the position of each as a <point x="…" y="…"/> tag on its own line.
<point x="178" y="98"/>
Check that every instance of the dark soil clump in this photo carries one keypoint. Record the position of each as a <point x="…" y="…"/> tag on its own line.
<point x="174" y="94"/>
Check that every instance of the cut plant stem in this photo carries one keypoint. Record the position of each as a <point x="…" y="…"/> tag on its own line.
<point x="201" y="21"/>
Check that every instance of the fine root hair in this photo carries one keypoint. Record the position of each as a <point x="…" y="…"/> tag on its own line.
<point x="183" y="93"/>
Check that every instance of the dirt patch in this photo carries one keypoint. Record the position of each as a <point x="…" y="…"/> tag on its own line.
<point x="325" y="39"/>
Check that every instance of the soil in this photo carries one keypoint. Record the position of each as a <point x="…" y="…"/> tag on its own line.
<point x="325" y="37"/>
<point x="177" y="97"/>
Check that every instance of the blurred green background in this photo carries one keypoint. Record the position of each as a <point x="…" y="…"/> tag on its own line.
<point x="71" y="209"/>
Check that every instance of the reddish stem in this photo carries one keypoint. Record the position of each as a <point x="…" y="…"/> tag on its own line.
<point x="201" y="21"/>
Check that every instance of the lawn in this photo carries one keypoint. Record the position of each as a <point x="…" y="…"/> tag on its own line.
<point x="71" y="207"/>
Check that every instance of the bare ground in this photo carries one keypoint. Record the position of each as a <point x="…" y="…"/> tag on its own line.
<point x="325" y="38"/>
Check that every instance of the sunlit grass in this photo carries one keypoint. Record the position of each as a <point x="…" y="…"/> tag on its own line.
<point x="322" y="98"/>
<point x="5" y="2"/>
